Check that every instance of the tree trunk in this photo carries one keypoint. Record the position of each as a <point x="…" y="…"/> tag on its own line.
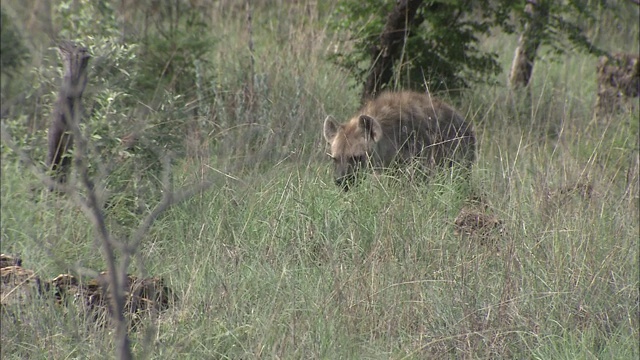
<point x="522" y="67"/>
<point x="391" y="41"/>
<point x="67" y="108"/>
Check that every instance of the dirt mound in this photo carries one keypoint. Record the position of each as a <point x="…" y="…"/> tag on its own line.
<point x="618" y="80"/>
<point x="19" y="285"/>
<point x="476" y="221"/>
<point x="6" y="261"/>
<point x="90" y="297"/>
<point x="93" y="297"/>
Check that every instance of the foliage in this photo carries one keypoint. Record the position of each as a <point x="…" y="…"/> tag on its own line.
<point x="566" y="27"/>
<point x="276" y="262"/>
<point x="171" y="52"/>
<point x="129" y="77"/>
<point x="442" y="50"/>
<point x="13" y="53"/>
<point x="90" y="24"/>
<point x="157" y="70"/>
<point x="113" y="74"/>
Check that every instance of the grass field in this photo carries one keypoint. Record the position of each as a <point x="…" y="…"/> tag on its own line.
<point x="277" y="262"/>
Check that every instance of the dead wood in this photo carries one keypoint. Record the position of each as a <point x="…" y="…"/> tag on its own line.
<point x="75" y="59"/>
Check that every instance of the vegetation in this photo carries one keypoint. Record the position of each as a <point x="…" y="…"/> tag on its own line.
<point x="275" y="260"/>
<point x="418" y="44"/>
<point x="13" y="50"/>
<point x="435" y="45"/>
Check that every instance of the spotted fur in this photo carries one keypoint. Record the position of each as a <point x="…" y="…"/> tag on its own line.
<point x="397" y="129"/>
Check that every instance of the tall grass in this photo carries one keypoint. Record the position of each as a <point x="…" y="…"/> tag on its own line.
<point x="277" y="262"/>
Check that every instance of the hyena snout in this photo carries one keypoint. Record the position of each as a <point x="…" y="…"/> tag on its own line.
<point x="343" y="183"/>
<point x="347" y="173"/>
<point x="346" y="182"/>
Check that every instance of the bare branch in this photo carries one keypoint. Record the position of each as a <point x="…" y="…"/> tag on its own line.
<point x="88" y="195"/>
<point x="92" y="208"/>
<point x="169" y="199"/>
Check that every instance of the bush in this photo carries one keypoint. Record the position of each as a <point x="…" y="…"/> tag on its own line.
<point x="13" y="53"/>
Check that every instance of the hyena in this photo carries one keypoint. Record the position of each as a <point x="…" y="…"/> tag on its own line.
<point x="398" y="129"/>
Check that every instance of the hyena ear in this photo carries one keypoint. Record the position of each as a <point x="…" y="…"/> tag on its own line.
<point x="330" y="128"/>
<point x="371" y="127"/>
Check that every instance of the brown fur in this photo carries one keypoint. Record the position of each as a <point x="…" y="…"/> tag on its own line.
<point x="395" y="129"/>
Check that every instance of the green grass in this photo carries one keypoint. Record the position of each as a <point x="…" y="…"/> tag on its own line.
<point x="282" y="264"/>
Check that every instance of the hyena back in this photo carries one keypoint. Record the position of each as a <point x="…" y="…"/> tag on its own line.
<point x="397" y="129"/>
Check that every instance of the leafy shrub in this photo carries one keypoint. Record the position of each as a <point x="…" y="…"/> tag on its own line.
<point x="135" y="103"/>
<point x="442" y="47"/>
<point x="13" y="53"/>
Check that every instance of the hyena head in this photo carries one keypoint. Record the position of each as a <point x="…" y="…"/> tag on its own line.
<point x="352" y="145"/>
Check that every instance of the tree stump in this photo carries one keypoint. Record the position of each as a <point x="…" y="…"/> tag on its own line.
<point x="67" y="108"/>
